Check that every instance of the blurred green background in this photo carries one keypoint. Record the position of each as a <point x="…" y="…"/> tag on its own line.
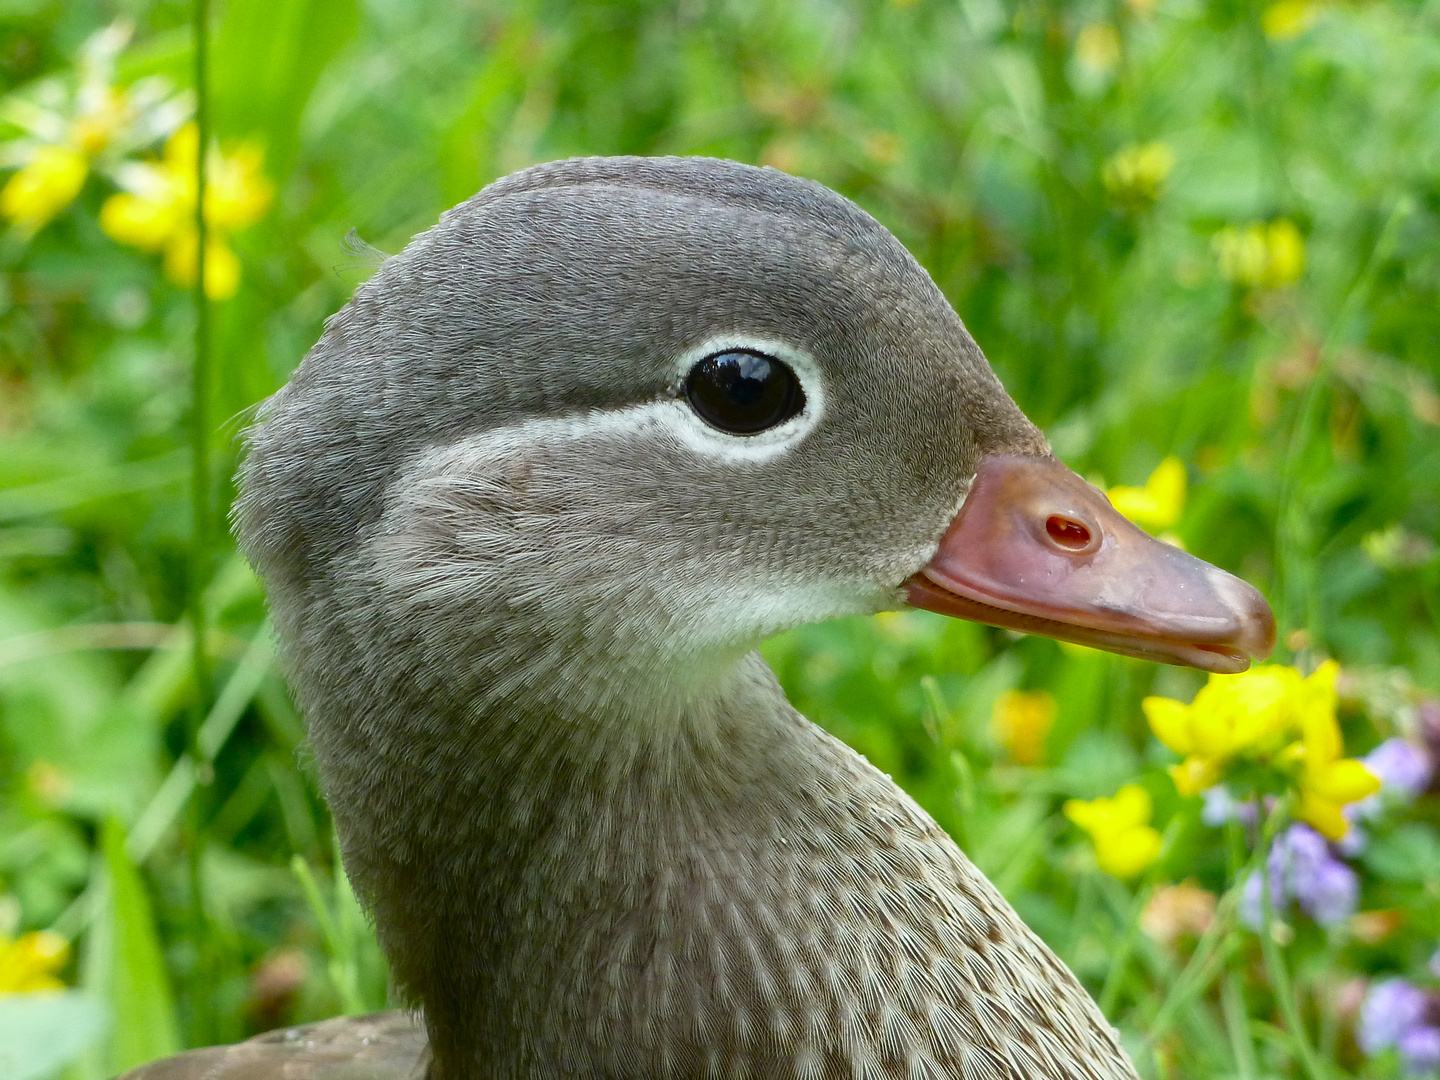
<point x="1206" y="229"/>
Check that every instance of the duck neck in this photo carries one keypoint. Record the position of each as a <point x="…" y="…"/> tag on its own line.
<point x="549" y="866"/>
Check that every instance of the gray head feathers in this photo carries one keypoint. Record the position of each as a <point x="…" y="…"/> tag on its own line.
<point x="518" y="580"/>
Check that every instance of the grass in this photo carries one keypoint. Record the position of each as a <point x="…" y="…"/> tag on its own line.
<point x="156" y="805"/>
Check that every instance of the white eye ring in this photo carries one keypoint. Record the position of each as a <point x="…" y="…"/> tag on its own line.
<point x="761" y="445"/>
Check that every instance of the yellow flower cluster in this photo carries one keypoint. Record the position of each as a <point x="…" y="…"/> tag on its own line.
<point x="1271" y="716"/>
<point x="1135" y="173"/>
<point x="1157" y="505"/>
<point x="1020" y="722"/>
<point x="1261" y="255"/>
<point x="70" y="131"/>
<point x="29" y="964"/>
<point x="157" y="211"/>
<point x="69" y="128"/>
<point x="1119" y="827"/>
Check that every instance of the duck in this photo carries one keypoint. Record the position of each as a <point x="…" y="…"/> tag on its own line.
<point x="523" y="515"/>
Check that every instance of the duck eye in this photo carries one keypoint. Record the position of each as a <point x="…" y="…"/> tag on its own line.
<point x="743" y="393"/>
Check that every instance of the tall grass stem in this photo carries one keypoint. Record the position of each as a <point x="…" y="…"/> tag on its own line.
<point x="1292" y="519"/>
<point x="203" y="976"/>
<point x="1275" y="967"/>
<point x="1237" y="1025"/>
<point x="1115" y="978"/>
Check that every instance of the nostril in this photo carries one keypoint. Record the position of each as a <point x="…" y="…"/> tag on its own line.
<point x="1067" y="532"/>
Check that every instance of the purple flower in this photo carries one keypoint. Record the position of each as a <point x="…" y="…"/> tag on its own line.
<point x="1302" y="869"/>
<point x="1401" y="766"/>
<point x="1220" y="807"/>
<point x="1354" y="840"/>
<point x="1332" y="893"/>
<point x="1391" y="1009"/>
<point x="1299" y="853"/>
<point x="1398" y="1015"/>
<point x="1404" y="771"/>
<point x="1420" y="1049"/>
<point x="1252" y="911"/>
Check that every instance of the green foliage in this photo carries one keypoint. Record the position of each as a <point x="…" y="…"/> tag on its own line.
<point x="1082" y="180"/>
<point x="125" y="963"/>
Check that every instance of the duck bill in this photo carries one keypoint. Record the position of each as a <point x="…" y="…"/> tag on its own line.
<point x="1037" y="549"/>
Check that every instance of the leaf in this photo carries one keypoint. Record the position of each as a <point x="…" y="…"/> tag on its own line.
<point x="134" y="977"/>
<point x="41" y="1032"/>
<point x="267" y="57"/>
<point x="1410" y="853"/>
<point x="469" y="156"/>
<point x="1097" y="763"/>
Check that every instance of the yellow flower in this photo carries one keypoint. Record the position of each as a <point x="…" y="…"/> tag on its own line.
<point x="1195" y="774"/>
<point x="141" y="222"/>
<point x="1257" y="715"/>
<point x="1230" y="714"/>
<point x="1260" y="255"/>
<point x="29" y="964"/>
<point x="1136" y="172"/>
<point x="43" y="187"/>
<point x="1327" y="780"/>
<point x="102" y="116"/>
<point x="1288" y="19"/>
<point x="1157" y="505"/>
<point x="1097" y="47"/>
<point x="1119" y="827"/>
<point x="76" y="122"/>
<point x="1286" y="248"/>
<point x="222" y="267"/>
<point x="156" y="212"/>
<point x="237" y="193"/>
<point x="1020" y="721"/>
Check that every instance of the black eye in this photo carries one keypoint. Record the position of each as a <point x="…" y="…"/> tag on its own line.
<point x="743" y="392"/>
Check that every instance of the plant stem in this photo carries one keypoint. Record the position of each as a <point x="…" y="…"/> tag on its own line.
<point x="1115" y="978"/>
<point x="1232" y="1004"/>
<point x="1083" y="913"/>
<point x="338" y="937"/>
<point x="200" y="374"/>
<point x="203" y="978"/>
<point x="1204" y="964"/>
<point x="1275" y="968"/>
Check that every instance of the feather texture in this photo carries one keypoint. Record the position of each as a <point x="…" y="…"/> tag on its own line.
<point x="518" y="585"/>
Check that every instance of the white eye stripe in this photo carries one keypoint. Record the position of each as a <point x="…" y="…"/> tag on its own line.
<point x="671" y="415"/>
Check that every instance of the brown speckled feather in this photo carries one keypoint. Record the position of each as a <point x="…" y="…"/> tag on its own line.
<point x="381" y="1046"/>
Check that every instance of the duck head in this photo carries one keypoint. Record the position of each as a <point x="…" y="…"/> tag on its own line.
<point x="646" y="412"/>
<point x="523" y="514"/>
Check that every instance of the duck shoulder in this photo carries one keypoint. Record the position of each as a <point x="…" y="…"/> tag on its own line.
<point x="381" y="1046"/>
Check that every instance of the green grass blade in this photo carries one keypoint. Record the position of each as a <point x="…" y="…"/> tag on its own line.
<point x="137" y="985"/>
